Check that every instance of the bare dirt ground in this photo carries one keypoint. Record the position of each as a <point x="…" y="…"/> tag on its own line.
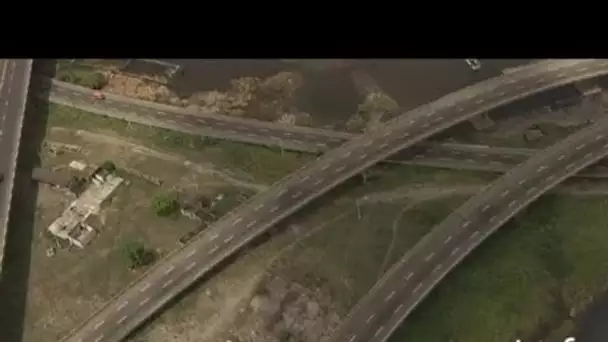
<point x="73" y="283"/>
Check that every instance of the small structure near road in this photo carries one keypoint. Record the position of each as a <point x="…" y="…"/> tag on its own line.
<point x="72" y="224"/>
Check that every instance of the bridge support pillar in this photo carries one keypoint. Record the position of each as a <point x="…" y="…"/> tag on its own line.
<point x="481" y="122"/>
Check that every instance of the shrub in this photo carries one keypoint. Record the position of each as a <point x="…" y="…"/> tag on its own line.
<point x="93" y="80"/>
<point x="138" y="255"/>
<point x="165" y="204"/>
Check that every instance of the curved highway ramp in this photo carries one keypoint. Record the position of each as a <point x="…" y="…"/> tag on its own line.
<point x="408" y="282"/>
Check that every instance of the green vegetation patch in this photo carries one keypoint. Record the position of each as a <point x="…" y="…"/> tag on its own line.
<point x="522" y="282"/>
<point x="260" y="163"/>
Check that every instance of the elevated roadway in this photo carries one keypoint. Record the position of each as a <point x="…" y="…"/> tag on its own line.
<point x="229" y="234"/>
<point x="14" y="83"/>
<point x="408" y="282"/>
<point x="313" y="140"/>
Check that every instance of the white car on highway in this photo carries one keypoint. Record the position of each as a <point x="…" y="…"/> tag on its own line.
<point x="473" y="63"/>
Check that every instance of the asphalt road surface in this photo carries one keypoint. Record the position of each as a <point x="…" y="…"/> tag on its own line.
<point x="229" y="234"/>
<point x="14" y="84"/>
<point x="453" y="156"/>
<point x="407" y="283"/>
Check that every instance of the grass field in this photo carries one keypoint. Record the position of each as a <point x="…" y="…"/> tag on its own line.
<point x="523" y="281"/>
<point x="254" y="162"/>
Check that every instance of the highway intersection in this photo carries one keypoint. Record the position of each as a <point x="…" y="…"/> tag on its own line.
<point x="412" y="278"/>
<point x="229" y="234"/>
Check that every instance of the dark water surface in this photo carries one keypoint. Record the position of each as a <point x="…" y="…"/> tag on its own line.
<point x="592" y="326"/>
<point x="328" y="92"/>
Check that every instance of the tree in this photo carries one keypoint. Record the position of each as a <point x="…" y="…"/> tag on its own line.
<point x="77" y="184"/>
<point x="108" y="166"/>
<point x="93" y="80"/>
<point x="138" y="255"/>
<point x="165" y="204"/>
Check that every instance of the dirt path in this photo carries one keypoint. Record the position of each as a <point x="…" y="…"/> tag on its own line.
<point x="208" y="169"/>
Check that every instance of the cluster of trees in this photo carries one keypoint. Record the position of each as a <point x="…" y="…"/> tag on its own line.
<point x="92" y="80"/>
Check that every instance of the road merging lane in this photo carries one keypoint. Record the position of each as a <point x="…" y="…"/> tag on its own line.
<point x="267" y="208"/>
<point x="407" y="283"/>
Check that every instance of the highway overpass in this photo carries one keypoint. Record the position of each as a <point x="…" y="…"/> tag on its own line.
<point x="181" y="269"/>
<point x="14" y="85"/>
<point x="413" y="277"/>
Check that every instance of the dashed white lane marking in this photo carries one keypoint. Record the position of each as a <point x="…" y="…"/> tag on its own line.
<point x="169" y="269"/>
<point x="447" y="240"/>
<point x="363" y="156"/>
<point x="390" y="295"/>
<point x="143" y="302"/>
<point x="560" y="75"/>
<point x="502" y="93"/>
<point x="250" y="224"/>
<point x="479" y="101"/>
<point x="273" y="209"/>
<point x="122" y="319"/>
<point x="606" y="146"/>
<point x="99" y="338"/>
<point x="235" y="222"/>
<point x="412" y="121"/>
<point x="561" y="157"/>
<point x="505" y="193"/>
<point x="409" y="276"/>
<point x="304" y="179"/>
<point x="466" y="224"/>
<point x="485" y="207"/>
<point x="385" y="145"/>
<point x="324" y="167"/>
<point x="599" y="137"/>
<point x="531" y="190"/>
<point x="228" y="239"/>
<point x="212" y="250"/>
<point x="437" y="268"/>
<point x="98" y="324"/>
<point x="429" y="257"/>
<point x="426" y="124"/>
<point x="318" y="182"/>
<point x="588" y="155"/>
<point x="191" y="254"/>
<point x="475" y="233"/>
<point x="492" y="218"/>
<point x="512" y="203"/>
<point x="398" y="308"/>
<point x="258" y="207"/>
<point x="145" y="287"/>
<point x="341" y="168"/>
<point x="369" y="319"/>
<point x="569" y="166"/>
<point x="378" y="331"/>
<point x="386" y="134"/>
<point x="352" y="338"/>
<point x="296" y="195"/>
<point x="580" y="147"/>
<point x="190" y="266"/>
<point x="122" y="305"/>
<point x="583" y="69"/>
<point x="551" y="177"/>
<point x="455" y="250"/>
<point x="367" y="143"/>
<point x="417" y="288"/>
<point x="521" y="182"/>
<point x="541" y="168"/>
<point x="167" y="283"/>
